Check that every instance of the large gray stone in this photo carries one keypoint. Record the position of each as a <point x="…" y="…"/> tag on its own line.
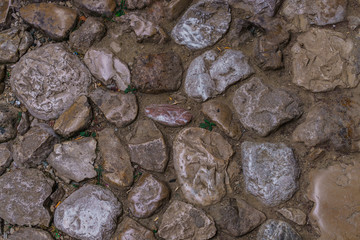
<point x="30" y="234"/>
<point x="277" y="230"/>
<point x="14" y="43"/>
<point x="8" y="118"/>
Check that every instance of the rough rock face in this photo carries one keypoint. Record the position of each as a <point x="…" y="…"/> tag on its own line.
<point x="89" y="213"/>
<point x="22" y="196"/>
<point x="270" y="171"/>
<point x="276" y="229"/>
<point x="47" y="97"/>
<point x="118" y="108"/>
<point x="56" y="21"/>
<point x="108" y="68"/>
<point x="24" y="123"/>
<point x="293" y="214"/>
<point x="169" y="115"/>
<point x="8" y="118"/>
<point x="200" y="161"/>
<point x="129" y="229"/>
<point x="184" y="221"/>
<point x="258" y="7"/>
<point x="137" y="4"/>
<point x="202" y="25"/>
<point x="98" y="7"/>
<point x="262" y="108"/>
<point x="211" y="74"/>
<point x="320" y="71"/>
<point x="30" y="234"/>
<point x="4" y="13"/>
<point x="73" y="160"/>
<point x="5" y="157"/>
<point x="14" y="43"/>
<point x="147" y="146"/>
<point x="175" y="7"/>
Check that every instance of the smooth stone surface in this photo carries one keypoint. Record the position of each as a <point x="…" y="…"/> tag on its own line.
<point x="108" y="68"/>
<point x="147" y="146"/>
<point x="147" y="196"/>
<point x="293" y="214"/>
<point x="320" y="71"/>
<point x="74" y="160"/>
<point x="211" y="73"/>
<point x="201" y="158"/>
<point x="156" y="73"/>
<point x="5" y="157"/>
<point x="5" y="11"/>
<point x="184" y="221"/>
<point x="22" y="196"/>
<point x="30" y="234"/>
<point x="88" y="213"/>
<point x="14" y="43"/>
<point x="129" y="229"/>
<point x="276" y="230"/>
<point x="116" y="160"/>
<point x="169" y="115"/>
<point x="258" y="7"/>
<point x="97" y="7"/>
<point x="48" y="97"/>
<point x="8" y="119"/>
<point x="55" y="20"/>
<point x="262" y="108"/>
<point x="118" y="108"/>
<point x="270" y="171"/>
<point x="202" y="25"/>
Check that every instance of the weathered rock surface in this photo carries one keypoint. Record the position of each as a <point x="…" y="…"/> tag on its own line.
<point x="5" y="157"/>
<point x="354" y="22"/>
<point x="74" y="160"/>
<point x="137" y="4"/>
<point x="293" y="214"/>
<point x="116" y="160"/>
<point x="200" y="161"/>
<point x="147" y="196"/>
<point x="97" y="7"/>
<point x="155" y="73"/>
<point x="108" y="68"/>
<point x="88" y="213"/>
<point x="55" y="20"/>
<point x="118" y="108"/>
<point x="129" y="229"/>
<point x="184" y="221"/>
<point x="5" y="11"/>
<point x="14" y="43"/>
<point x="22" y="196"/>
<point x="30" y="234"/>
<point x="169" y="115"/>
<point x="174" y="8"/>
<point x="24" y="123"/>
<point x="147" y="146"/>
<point x="8" y="118"/>
<point x="270" y="171"/>
<point x="48" y="80"/>
<point x="276" y="229"/>
<point x="202" y="25"/>
<point x="320" y="71"/>
<point x="211" y="74"/>
<point x="258" y="7"/>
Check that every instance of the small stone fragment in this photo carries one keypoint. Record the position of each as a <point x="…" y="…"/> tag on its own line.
<point x="97" y="7"/>
<point x="137" y="4"/>
<point x="5" y="14"/>
<point x="58" y="194"/>
<point x="8" y="118"/>
<point x="258" y="7"/>
<point x="14" y="43"/>
<point x="129" y="229"/>
<point x="293" y="214"/>
<point x="168" y="115"/>
<point x="175" y="7"/>
<point x="276" y="229"/>
<point x="30" y="234"/>
<point x="354" y="22"/>
<point x="5" y="157"/>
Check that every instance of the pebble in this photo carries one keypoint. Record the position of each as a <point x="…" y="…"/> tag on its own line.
<point x="169" y="115"/>
<point x="276" y="229"/>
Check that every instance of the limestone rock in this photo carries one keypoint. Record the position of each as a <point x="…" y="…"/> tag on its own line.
<point x="276" y="229"/>
<point x="175" y="7"/>
<point x="270" y="171"/>
<point x="5" y="157"/>
<point x="8" y="118"/>
<point x="5" y="12"/>
<point x="262" y="108"/>
<point x="88" y="213"/>
<point x="118" y="108"/>
<point x="200" y="161"/>
<point x="129" y="229"/>
<point x="14" y="43"/>
<point x="22" y="196"/>
<point x="293" y="214"/>
<point x="182" y="221"/>
<point x="30" y="234"/>
<point x="258" y="7"/>
<point x="147" y="146"/>
<point x="137" y="4"/>
<point x="55" y="20"/>
<point x="47" y="97"/>
<point x="202" y="25"/>
<point x="211" y="74"/>
<point x="169" y="115"/>
<point x="97" y="7"/>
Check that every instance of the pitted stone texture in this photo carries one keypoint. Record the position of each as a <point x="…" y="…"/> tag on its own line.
<point x="116" y="160"/>
<point x="74" y="160"/>
<point x="5" y="12"/>
<point x="201" y="158"/>
<point x="147" y="196"/>
<point x="5" y="157"/>
<point x="48" y="80"/>
<point x="258" y="7"/>
<point x="108" y="68"/>
<point x="137" y="4"/>
<point x="30" y="234"/>
<point x="118" y="108"/>
<point x="89" y="33"/>
<point x="147" y="146"/>
<point x="202" y="25"/>
<point x="211" y="74"/>
<point x="262" y="108"/>
<point x="22" y="196"/>
<point x="276" y="229"/>
<point x="183" y="221"/>
<point x="97" y="7"/>
<point x="89" y="213"/>
<point x="129" y="229"/>
<point x="293" y="214"/>
<point x="169" y="115"/>
<point x="270" y="171"/>
<point x="14" y="43"/>
<point x="8" y="118"/>
<point x="74" y="119"/>
<point x="33" y="147"/>
<point x="156" y="73"/>
<point x="56" y="21"/>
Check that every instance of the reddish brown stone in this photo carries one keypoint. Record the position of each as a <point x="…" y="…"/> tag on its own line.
<point x="169" y="115"/>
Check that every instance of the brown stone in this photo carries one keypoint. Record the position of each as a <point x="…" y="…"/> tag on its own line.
<point x="2" y="73"/>
<point x="137" y="4"/>
<point x="8" y="118"/>
<point x="5" y="157"/>
<point x="168" y="115"/>
<point x="129" y="229"/>
<point x="5" y="13"/>
<point x="97" y="7"/>
<point x="175" y="7"/>
<point x="293" y="214"/>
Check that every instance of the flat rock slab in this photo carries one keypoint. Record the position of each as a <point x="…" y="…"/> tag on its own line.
<point x="89" y="213"/>
<point x="258" y="7"/>
<point x="74" y="160"/>
<point x="47" y="97"/>
<point x="22" y="196"/>
<point x="183" y="221"/>
<point x="201" y="158"/>
<point x="30" y="234"/>
<point x="97" y="7"/>
<point x="202" y="25"/>
<point x="169" y="115"/>
<point x="262" y="108"/>
<point x="211" y="73"/>
<point x="270" y="171"/>
<point x="5" y="157"/>
<point x="276" y="229"/>
<point x="14" y="43"/>
<point x="320" y="71"/>
<point x="118" y="108"/>
<point x="129" y="229"/>
<point x="8" y="119"/>
<point x="56" y="21"/>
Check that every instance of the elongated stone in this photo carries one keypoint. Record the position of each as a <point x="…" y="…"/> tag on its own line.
<point x="168" y="115"/>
